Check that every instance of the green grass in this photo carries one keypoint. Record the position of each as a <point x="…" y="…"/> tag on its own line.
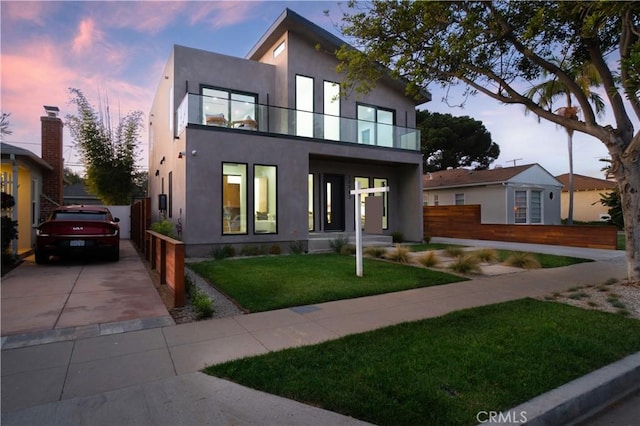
<point x="266" y="283"/>
<point x="444" y="370"/>
<point x="622" y="242"/>
<point x="547" y="260"/>
<point x="430" y="246"/>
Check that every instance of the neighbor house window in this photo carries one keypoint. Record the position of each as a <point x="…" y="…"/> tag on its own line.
<point x="536" y="206"/>
<point x="304" y="106"/>
<point x="331" y="110"/>
<point x="265" y="200"/>
<point x="381" y="183"/>
<point x="221" y="107"/>
<point x="521" y="207"/>
<point x="375" y="125"/>
<point x="459" y="199"/>
<point x="436" y="200"/>
<point x="234" y="198"/>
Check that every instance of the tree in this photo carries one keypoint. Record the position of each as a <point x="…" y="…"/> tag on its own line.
<point x="4" y="124"/>
<point x="502" y="48"/>
<point x="109" y="155"/>
<point x="546" y="92"/>
<point x="448" y="141"/>
<point x="71" y="176"/>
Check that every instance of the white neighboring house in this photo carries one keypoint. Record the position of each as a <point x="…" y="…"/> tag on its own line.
<point x="525" y="194"/>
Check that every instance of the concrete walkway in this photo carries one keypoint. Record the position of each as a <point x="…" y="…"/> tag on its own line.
<point x="150" y="376"/>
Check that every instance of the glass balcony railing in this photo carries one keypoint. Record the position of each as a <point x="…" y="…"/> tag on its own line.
<point x="216" y="112"/>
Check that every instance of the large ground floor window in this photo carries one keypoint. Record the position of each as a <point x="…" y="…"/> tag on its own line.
<point x="265" y="201"/>
<point x="528" y="206"/>
<point x="234" y="198"/>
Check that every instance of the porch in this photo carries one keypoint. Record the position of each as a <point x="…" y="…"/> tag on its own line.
<point x="320" y="241"/>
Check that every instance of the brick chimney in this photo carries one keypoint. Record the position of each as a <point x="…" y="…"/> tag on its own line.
<point x="52" y="195"/>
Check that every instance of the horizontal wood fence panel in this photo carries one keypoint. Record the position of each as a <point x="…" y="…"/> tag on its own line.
<point x="464" y="222"/>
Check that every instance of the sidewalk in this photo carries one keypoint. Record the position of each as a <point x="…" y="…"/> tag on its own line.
<point x="150" y="376"/>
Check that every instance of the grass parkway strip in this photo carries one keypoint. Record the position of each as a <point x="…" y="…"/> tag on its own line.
<point x="444" y="370"/>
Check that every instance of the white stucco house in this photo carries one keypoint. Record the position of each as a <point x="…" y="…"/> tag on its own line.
<point x="526" y="194"/>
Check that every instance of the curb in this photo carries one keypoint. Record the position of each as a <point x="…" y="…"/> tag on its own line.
<point x="579" y="399"/>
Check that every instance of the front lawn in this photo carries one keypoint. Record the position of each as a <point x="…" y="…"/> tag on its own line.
<point x="274" y="282"/>
<point x="444" y="371"/>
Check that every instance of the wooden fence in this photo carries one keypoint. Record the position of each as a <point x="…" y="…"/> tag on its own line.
<point x="464" y="222"/>
<point x="167" y="258"/>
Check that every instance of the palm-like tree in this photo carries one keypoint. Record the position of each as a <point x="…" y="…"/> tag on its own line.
<point x="546" y="92"/>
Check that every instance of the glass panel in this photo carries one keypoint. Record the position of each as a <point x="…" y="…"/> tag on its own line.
<point x="366" y="129"/>
<point x="385" y="128"/>
<point x="331" y="111"/>
<point x="243" y="107"/>
<point x="234" y="196"/>
<point x="328" y="195"/>
<point x="364" y="183"/>
<point x="536" y="207"/>
<point x="304" y="103"/>
<point x="521" y="207"/>
<point x="311" y="200"/>
<point x="215" y="107"/>
<point x="265" y="201"/>
<point x="459" y="199"/>
<point x="381" y="183"/>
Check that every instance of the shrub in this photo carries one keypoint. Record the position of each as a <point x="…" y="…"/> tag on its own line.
<point x="400" y="254"/>
<point x="220" y="253"/>
<point x="522" y="260"/>
<point x="339" y="242"/>
<point x="9" y="233"/>
<point x="296" y="247"/>
<point x="164" y="227"/>
<point x="249" y="250"/>
<point x="398" y="237"/>
<point x="429" y="259"/>
<point x="486" y="255"/>
<point x="466" y="264"/>
<point x="453" y="251"/>
<point x="376" y="252"/>
<point x="348" y="249"/>
<point x="275" y="249"/>
<point x="202" y="304"/>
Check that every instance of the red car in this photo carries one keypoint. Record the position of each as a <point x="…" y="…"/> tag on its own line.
<point x="78" y="230"/>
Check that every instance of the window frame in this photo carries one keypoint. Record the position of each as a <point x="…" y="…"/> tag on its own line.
<point x="222" y="199"/>
<point x="230" y="101"/>
<point x="375" y="120"/>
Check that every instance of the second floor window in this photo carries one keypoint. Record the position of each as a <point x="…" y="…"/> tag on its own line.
<point x="375" y="125"/>
<point x="222" y="107"/>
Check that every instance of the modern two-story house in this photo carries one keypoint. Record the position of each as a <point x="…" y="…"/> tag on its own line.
<point x="265" y="149"/>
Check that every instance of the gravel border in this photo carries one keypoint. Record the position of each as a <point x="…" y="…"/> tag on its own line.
<point x="222" y="306"/>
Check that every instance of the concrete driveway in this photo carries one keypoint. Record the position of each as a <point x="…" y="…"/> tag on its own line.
<point x="76" y="293"/>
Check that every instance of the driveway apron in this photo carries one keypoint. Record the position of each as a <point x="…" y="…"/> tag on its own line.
<point x="77" y="293"/>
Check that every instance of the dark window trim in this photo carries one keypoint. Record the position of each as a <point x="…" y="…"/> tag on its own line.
<point x="385" y="201"/>
<point x="313" y="199"/>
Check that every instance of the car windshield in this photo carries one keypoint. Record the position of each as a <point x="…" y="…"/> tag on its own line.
<point x="100" y="216"/>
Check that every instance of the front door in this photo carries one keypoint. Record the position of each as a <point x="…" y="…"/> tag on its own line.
<point x="333" y="211"/>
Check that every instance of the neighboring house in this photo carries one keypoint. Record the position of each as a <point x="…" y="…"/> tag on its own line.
<point x="34" y="182"/>
<point x="263" y="150"/>
<point x="22" y="174"/>
<point x="511" y="195"/>
<point x="586" y="197"/>
<point x="78" y="193"/>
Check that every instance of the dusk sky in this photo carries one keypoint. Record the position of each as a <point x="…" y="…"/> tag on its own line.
<point x="118" y="50"/>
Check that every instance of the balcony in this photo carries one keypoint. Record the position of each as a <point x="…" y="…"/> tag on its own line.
<point x="232" y="114"/>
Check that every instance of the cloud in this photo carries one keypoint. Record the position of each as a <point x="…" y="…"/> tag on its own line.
<point x="221" y="14"/>
<point x="86" y="36"/>
<point x="33" y="11"/>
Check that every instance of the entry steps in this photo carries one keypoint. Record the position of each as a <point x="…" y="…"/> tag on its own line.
<point x="320" y="241"/>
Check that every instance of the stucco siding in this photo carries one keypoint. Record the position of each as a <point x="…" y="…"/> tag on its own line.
<point x="586" y="205"/>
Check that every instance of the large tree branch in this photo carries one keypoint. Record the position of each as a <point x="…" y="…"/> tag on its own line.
<point x="626" y="41"/>
<point x="569" y="82"/>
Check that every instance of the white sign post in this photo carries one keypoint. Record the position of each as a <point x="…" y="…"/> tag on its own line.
<point x="358" y="191"/>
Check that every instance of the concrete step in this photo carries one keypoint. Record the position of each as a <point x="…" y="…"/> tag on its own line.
<point x="319" y="243"/>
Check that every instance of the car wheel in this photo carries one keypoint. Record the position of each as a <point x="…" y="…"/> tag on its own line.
<point x="41" y="258"/>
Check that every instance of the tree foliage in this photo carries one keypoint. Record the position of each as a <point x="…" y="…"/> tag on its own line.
<point x="4" y="124"/>
<point x="448" y="141"/>
<point x="71" y="176"/>
<point x="612" y="201"/>
<point x="109" y="154"/>
<point x="501" y="49"/>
